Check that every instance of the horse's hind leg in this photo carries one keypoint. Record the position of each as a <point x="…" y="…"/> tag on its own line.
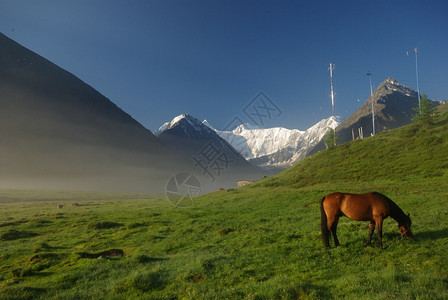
<point x="371" y="230"/>
<point x="379" y="231"/>
<point x="326" y="240"/>
<point x="333" y="231"/>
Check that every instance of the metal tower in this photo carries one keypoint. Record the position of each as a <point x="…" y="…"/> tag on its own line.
<point x="416" y="74"/>
<point x="371" y="96"/>
<point x="331" y="81"/>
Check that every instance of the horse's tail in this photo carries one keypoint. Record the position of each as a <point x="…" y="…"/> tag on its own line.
<point x="323" y="225"/>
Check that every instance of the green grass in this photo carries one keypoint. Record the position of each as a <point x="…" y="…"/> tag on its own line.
<point x="258" y="242"/>
<point x="263" y="242"/>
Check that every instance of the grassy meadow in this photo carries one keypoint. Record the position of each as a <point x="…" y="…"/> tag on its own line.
<point x="258" y="242"/>
<point x="250" y="243"/>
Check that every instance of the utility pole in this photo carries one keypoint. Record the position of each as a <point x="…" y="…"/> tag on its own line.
<point x="416" y="74"/>
<point x="371" y="96"/>
<point x="332" y="92"/>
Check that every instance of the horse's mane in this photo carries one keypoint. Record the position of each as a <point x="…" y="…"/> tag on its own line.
<point x="396" y="212"/>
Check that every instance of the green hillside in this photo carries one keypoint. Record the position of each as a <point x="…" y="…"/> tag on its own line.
<point x="402" y="154"/>
<point x="258" y="242"/>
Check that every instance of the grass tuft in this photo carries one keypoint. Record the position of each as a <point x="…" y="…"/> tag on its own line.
<point x="100" y="254"/>
<point x="104" y="225"/>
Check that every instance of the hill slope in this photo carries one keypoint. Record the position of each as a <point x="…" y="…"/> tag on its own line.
<point x="397" y="154"/>
<point x="57" y="131"/>
<point x="394" y="105"/>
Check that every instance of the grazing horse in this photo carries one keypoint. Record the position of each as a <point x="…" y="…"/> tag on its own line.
<point x="373" y="207"/>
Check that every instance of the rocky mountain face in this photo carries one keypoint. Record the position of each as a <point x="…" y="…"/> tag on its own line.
<point x="58" y="132"/>
<point x="276" y="148"/>
<point x="212" y="155"/>
<point x="394" y="105"/>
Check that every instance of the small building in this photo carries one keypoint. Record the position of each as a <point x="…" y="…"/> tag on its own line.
<point x="243" y="182"/>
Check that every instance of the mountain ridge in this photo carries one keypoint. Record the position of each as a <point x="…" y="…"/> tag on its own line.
<point x="272" y="149"/>
<point x="59" y="132"/>
<point x="394" y="106"/>
<point x="276" y="148"/>
<point x="211" y="154"/>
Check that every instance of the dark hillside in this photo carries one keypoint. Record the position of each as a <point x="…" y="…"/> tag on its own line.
<point x="57" y="131"/>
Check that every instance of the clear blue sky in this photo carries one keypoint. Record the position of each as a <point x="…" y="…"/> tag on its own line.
<point x="158" y="59"/>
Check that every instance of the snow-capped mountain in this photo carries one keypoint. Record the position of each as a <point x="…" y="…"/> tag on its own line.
<point x="256" y="142"/>
<point x="275" y="148"/>
<point x="188" y="125"/>
<point x="214" y="157"/>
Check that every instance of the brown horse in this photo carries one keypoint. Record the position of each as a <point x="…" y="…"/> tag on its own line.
<point x="373" y="207"/>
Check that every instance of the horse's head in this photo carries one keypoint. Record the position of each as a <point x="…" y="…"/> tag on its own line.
<point x="405" y="228"/>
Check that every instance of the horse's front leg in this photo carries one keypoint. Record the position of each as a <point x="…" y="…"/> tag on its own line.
<point x="379" y="225"/>
<point x="371" y="230"/>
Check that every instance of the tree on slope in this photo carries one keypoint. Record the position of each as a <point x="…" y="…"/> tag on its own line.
<point x="425" y="113"/>
<point x="330" y="138"/>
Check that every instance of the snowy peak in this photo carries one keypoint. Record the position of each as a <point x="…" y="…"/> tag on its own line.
<point x="161" y="129"/>
<point x="322" y="126"/>
<point x="390" y="85"/>
<point x="206" y="123"/>
<point x="270" y="148"/>
<point x="191" y="126"/>
<point x="276" y="147"/>
<point x="185" y="119"/>
<point x="196" y="141"/>
<point x="252" y="143"/>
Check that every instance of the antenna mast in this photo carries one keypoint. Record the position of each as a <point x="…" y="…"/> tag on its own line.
<point x="416" y="74"/>
<point x="331" y="81"/>
<point x="371" y="96"/>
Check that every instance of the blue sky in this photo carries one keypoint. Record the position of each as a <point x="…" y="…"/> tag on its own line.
<point x="158" y="59"/>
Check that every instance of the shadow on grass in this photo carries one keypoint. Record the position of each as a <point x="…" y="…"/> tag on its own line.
<point x="12" y="223"/>
<point x="418" y="236"/>
<point x="13" y="234"/>
<point x="22" y="292"/>
<point x="43" y="246"/>
<point x="141" y="258"/>
<point x="104" y="225"/>
<point x="431" y="235"/>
